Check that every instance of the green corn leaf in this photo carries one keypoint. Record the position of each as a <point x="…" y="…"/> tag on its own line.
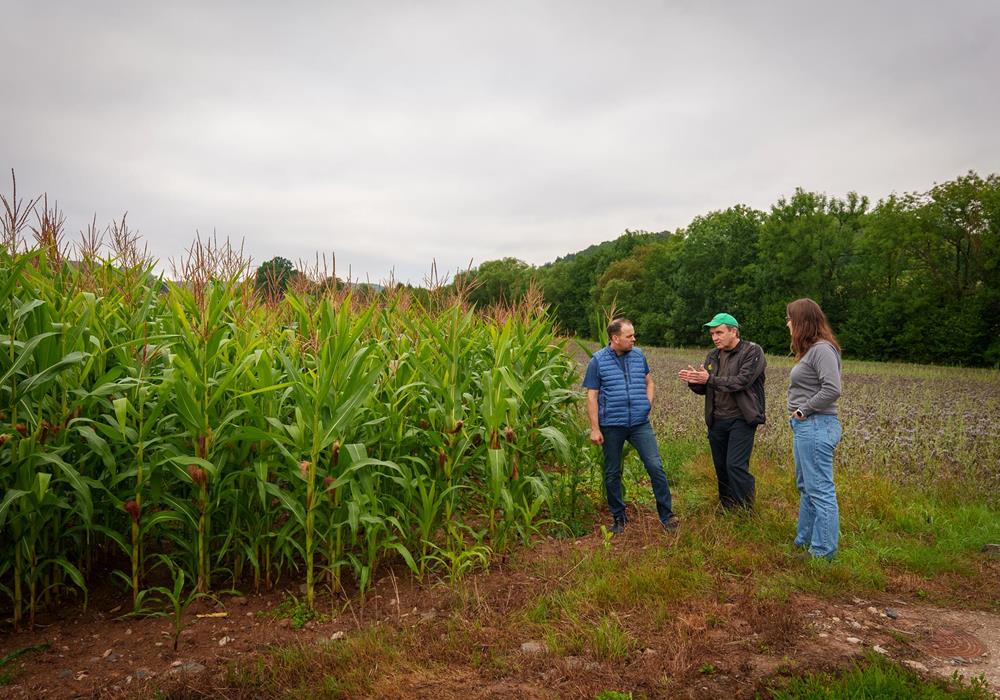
<point x="260" y="471"/>
<point x="85" y="504"/>
<point x="124" y="545"/>
<point x="230" y="417"/>
<point x="557" y="441"/>
<point x="160" y="517"/>
<point x="13" y="278"/>
<point x="297" y="510"/>
<point x="264" y="390"/>
<point x="9" y="498"/>
<point x="52" y="371"/>
<point x="25" y="355"/>
<point x="188" y="409"/>
<point x="26" y="308"/>
<point x="70" y="570"/>
<point x="121" y="412"/>
<point x="182" y="511"/>
<point x="41" y="486"/>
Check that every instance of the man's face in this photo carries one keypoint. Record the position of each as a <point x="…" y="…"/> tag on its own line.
<point x="624" y="340"/>
<point x="725" y="337"/>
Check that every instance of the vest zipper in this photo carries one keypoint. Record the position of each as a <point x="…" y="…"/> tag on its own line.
<point x="628" y="394"/>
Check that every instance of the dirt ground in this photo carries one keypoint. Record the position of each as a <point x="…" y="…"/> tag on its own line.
<point x="99" y="653"/>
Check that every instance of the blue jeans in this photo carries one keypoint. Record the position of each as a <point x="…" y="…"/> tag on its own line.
<point x="819" y="517"/>
<point x="644" y="441"/>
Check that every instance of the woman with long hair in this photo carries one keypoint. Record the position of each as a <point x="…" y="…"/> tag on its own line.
<point x="813" y="391"/>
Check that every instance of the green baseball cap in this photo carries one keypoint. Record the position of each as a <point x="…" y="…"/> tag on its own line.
<point x="721" y="319"/>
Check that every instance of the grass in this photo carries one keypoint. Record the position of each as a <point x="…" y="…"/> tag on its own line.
<point x="610" y="640"/>
<point x="344" y="669"/>
<point x="876" y="677"/>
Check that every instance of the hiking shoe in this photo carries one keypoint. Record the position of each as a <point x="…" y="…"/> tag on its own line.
<point x="618" y="527"/>
<point x="805" y="556"/>
<point x="671" y="524"/>
<point x="801" y="555"/>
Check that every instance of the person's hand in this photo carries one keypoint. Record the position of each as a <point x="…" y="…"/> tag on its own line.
<point x="797" y="415"/>
<point x="596" y="436"/>
<point x="694" y="376"/>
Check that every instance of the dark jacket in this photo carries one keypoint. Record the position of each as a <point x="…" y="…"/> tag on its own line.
<point x="746" y="385"/>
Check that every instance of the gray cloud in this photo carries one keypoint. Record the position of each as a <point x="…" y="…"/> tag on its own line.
<point x="398" y="133"/>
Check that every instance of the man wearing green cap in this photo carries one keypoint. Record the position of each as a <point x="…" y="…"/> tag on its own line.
<point x="732" y="382"/>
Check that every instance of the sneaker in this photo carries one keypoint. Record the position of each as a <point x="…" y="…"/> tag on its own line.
<point x="671" y="524"/>
<point x="618" y="527"/>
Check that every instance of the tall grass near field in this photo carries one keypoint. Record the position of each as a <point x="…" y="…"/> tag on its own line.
<point x="316" y="434"/>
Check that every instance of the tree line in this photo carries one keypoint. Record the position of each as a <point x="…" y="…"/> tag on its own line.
<point x="914" y="277"/>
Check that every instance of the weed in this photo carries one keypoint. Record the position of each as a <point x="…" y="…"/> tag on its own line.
<point x="610" y="640"/>
<point x="606" y="537"/>
<point x="539" y="612"/>
<point x="294" y="610"/>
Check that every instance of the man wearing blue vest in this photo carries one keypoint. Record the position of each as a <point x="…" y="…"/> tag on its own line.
<point x="619" y="397"/>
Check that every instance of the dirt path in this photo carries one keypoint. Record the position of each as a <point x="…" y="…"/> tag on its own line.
<point x="927" y="639"/>
<point x="106" y="657"/>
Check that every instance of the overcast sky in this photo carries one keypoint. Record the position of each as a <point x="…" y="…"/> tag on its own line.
<point x="396" y="133"/>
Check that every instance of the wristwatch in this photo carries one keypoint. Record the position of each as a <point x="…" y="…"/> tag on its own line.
<point x="798" y="414"/>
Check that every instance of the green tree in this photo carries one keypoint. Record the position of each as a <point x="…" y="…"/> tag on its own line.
<point x="496" y="281"/>
<point x="572" y="284"/>
<point x="716" y="269"/>
<point x="806" y="247"/>
<point x="273" y="277"/>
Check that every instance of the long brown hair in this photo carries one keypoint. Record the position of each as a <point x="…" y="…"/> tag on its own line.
<point x="809" y="325"/>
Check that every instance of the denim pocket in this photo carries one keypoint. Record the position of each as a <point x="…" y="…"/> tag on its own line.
<point x="833" y="432"/>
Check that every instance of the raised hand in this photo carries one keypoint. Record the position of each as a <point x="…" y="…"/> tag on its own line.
<point x="694" y="376"/>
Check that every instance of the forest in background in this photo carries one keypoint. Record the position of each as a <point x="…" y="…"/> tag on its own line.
<point x="914" y="277"/>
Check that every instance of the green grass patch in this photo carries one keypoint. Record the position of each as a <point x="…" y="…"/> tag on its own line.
<point x="610" y="640"/>
<point x="612" y="695"/>
<point x="876" y="677"/>
<point x="294" y="610"/>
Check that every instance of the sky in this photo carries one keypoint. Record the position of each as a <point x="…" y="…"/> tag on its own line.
<point x="395" y="135"/>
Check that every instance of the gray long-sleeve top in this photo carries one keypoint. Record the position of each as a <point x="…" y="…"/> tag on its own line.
<point x="815" y="381"/>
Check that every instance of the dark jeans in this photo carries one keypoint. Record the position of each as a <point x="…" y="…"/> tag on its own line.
<point x="732" y="441"/>
<point x="644" y="441"/>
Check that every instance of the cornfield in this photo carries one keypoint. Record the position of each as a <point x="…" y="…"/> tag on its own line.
<point x="250" y="436"/>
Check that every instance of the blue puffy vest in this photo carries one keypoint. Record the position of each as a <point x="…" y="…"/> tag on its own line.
<point x="622" y="399"/>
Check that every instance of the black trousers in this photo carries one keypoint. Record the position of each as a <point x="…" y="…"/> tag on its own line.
<point x="732" y="442"/>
